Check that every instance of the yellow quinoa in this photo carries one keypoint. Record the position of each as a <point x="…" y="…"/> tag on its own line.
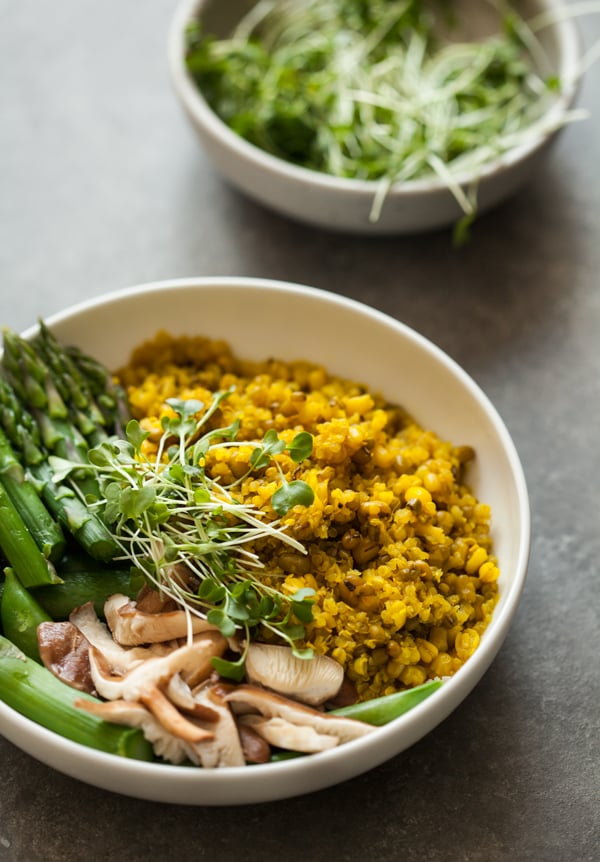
<point x="398" y="547"/>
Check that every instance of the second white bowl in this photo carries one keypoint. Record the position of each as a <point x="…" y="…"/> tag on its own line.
<point x="345" y="204"/>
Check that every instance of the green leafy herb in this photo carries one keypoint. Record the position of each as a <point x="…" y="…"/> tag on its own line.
<point x="370" y="91"/>
<point x="168" y="512"/>
<point x="300" y="447"/>
<point x="271" y="445"/>
<point x="295" y="493"/>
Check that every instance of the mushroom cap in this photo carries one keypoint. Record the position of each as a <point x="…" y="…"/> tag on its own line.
<point x="313" y="681"/>
<point x="245" y="698"/>
<point x="64" y="652"/>
<point x="192" y="661"/>
<point x="132" y="627"/>
<point x="224" y="747"/>
<point x="119" y="658"/>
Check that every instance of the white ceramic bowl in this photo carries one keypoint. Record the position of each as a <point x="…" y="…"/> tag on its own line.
<point x="345" y="204"/>
<point x="266" y="318"/>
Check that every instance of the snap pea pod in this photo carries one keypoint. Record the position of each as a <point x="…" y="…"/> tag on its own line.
<point x="83" y="580"/>
<point x="21" y="614"/>
<point x="382" y="710"/>
<point x="33" y="691"/>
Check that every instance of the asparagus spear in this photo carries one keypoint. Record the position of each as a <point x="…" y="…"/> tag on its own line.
<point x="19" y="426"/>
<point x="79" y="379"/>
<point x="45" y="531"/>
<point x="61" y="499"/>
<point x="110" y="396"/>
<point x="33" y="384"/>
<point x="19" y="547"/>
<point x="72" y="386"/>
<point x="65" y="409"/>
<point x="33" y="691"/>
<point x="84" y="525"/>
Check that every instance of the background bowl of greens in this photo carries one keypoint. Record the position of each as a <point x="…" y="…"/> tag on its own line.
<point x="382" y="118"/>
<point x="253" y="316"/>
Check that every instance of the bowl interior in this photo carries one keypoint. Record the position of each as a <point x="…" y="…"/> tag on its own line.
<point x="557" y="51"/>
<point x="471" y="21"/>
<point x="260" y="319"/>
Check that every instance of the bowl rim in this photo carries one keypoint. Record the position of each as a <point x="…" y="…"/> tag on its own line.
<point x="238" y="784"/>
<point x="215" y="128"/>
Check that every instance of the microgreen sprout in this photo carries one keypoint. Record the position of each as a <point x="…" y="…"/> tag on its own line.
<point x="373" y="91"/>
<point x="296" y="492"/>
<point x="188" y="533"/>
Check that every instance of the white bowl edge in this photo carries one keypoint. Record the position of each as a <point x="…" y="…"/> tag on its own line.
<point x="235" y="786"/>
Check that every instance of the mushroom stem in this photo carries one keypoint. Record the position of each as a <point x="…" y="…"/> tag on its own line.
<point x="170" y="717"/>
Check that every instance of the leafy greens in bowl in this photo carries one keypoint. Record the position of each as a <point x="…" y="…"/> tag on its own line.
<point x="376" y="117"/>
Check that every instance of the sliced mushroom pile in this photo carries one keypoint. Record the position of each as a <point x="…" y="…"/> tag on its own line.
<point x="151" y="665"/>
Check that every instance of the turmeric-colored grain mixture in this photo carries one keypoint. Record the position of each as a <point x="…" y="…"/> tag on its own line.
<point x="398" y="548"/>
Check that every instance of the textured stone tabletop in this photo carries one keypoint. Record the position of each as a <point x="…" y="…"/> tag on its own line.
<point x="102" y="185"/>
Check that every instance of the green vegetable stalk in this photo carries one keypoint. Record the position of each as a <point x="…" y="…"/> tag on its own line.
<point x="33" y="691"/>
<point x="74" y="515"/>
<point x="95" y="422"/>
<point x="109" y="396"/>
<point x="19" y="426"/>
<point x="36" y="388"/>
<point x="19" y="547"/>
<point x="45" y="531"/>
<point x="35" y="421"/>
<point x="84" y="580"/>
<point x="21" y="614"/>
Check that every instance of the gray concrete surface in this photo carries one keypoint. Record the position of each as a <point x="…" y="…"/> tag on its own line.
<point x="102" y="185"/>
